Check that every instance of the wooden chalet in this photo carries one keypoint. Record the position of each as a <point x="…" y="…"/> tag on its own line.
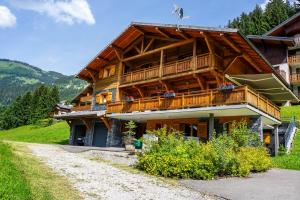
<point x="189" y="78"/>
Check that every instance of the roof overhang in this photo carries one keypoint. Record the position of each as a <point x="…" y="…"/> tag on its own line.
<point x="272" y="40"/>
<point x="137" y="29"/>
<point x="217" y="111"/>
<point x="80" y="114"/>
<point x="267" y="84"/>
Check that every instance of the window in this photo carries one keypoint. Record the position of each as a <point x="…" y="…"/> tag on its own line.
<point x="103" y="98"/>
<point x="108" y="71"/>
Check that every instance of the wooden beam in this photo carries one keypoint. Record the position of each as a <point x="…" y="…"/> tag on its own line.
<point x="208" y="42"/>
<point x="118" y="51"/>
<point x="87" y="123"/>
<point x="140" y="91"/>
<point x="133" y="44"/>
<point x="230" y="64"/>
<point x="159" y="49"/>
<point x="236" y="49"/>
<point x="161" y="38"/>
<point x="166" y="85"/>
<point x="137" y="49"/>
<point x="138" y="29"/>
<point x="106" y="122"/>
<point x="200" y="81"/>
<point x="230" y="43"/>
<point x="182" y="34"/>
<point x="149" y="44"/>
<point x="219" y="78"/>
<point x="142" y="44"/>
<point x="91" y="74"/>
<point x="103" y="59"/>
<point x="249" y="60"/>
<point x="162" y="33"/>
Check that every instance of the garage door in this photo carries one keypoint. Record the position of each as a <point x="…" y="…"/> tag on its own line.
<point x="100" y="135"/>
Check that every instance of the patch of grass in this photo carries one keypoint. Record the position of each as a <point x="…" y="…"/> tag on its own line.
<point x="290" y="111"/>
<point x="13" y="184"/>
<point x="54" y="134"/>
<point x="292" y="160"/>
<point x="43" y="182"/>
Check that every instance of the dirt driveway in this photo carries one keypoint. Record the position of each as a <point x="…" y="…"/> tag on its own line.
<point x="101" y="180"/>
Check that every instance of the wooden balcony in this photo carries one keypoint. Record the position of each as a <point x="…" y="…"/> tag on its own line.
<point x="294" y="60"/>
<point x="86" y="98"/>
<point x="295" y="78"/>
<point x="240" y="95"/>
<point x="82" y="108"/>
<point x="172" y="68"/>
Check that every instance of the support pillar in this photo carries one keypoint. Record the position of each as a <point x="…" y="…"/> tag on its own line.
<point x="276" y="140"/>
<point x="257" y="127"/>
<point x="211" y="127"/>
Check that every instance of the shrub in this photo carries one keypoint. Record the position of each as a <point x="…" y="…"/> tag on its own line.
<point x="234" y="154"/>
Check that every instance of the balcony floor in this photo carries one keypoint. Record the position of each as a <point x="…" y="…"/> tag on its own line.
<point x="218" y="111"/>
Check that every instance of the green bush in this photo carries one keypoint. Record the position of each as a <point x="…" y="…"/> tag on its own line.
<point x="235" y="154"/>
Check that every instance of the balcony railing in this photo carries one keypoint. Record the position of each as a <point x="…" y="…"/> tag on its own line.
<point x="82" y="108"/>
<point x="295" y="78"/>
<point x="172" y="68"/>
<point x="294" y="59"/>
<point x="86" y="98"/>
<point x="240" y="95"/>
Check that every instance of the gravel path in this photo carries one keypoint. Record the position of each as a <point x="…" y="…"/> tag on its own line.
<point x="99" y="180"/>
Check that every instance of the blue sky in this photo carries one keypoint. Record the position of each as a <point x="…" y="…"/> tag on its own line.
<point x="64" y="35"/>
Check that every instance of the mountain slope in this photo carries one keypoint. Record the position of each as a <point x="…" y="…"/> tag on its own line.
<point x="16" y="78"/>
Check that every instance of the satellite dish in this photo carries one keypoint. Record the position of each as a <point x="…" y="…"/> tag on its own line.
<point x="179" y="12"/>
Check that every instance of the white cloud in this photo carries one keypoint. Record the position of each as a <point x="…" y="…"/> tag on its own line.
<point x="63" y="11"/>
<point x="7" y="19"/>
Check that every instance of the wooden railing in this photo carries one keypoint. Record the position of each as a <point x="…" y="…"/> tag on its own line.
<point x="171" y="68"/>
<point x="295" y="78"/>
<point x="82" y="108"/>
<point x="240" y="95"/>
<point x="294" y="59"/>
<point x="86" y="98"/>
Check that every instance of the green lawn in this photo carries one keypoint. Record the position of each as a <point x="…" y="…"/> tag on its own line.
<point x="291" y="161"/>
<point x="13" y="185"/>
<point x="54" y="134"/>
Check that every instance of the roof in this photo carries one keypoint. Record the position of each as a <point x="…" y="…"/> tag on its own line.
<point x="80" y="114"/>
<point x="63" y="106"/>
<point x="84" y="91"/>
<point x="272" y="39"/>
<point x="279" y="29"/>
<point x="136" y="29"/>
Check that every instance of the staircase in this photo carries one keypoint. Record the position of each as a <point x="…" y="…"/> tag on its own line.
<point x="287" y="131"/>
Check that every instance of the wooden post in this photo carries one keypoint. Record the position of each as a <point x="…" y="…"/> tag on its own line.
<point x="161" y="63"/>
<point x="276" y="140"/>
<point x="246" y="94"/>
<point x="211" y="126"/>
<point x="182" y="101"/>
<point x="194" y="54"/>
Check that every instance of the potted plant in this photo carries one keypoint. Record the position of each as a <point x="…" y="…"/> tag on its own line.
<point x="128" y="137"/>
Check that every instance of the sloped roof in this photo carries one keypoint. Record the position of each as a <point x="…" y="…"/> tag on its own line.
<point x="272" y="39"/>
<point x="279" y="30"/>
<point x="136" y="29"/>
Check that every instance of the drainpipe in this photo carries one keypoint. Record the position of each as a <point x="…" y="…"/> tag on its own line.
<point x="276" y="140"/>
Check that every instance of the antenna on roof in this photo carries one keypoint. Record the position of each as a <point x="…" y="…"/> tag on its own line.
<point x="179" y="12"/>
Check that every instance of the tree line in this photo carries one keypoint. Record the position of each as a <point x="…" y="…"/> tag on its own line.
<point x="30" y="107"/>
<point x="259" y="21"/>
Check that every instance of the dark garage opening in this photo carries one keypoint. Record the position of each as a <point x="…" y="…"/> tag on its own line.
<point x="80" y="132"/>
<point x="100" y="135"/>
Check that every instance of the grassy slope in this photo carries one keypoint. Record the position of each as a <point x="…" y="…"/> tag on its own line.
<point x="54" y="134"/>
<point x="24" y="177"/>
<point x="13" y="184"/>
<point x="291" y="161"/>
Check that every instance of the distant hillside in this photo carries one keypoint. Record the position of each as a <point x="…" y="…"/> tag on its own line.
<point x="16" y="78"/>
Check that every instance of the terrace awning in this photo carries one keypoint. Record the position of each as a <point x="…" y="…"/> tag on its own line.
<point x="267" y="84"/>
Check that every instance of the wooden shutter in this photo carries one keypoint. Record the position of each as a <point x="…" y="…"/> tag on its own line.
<point x="101" y="74"/>
<point x="109" y="97"/>
<point x="112" y="70"/>
<point x="98" y="98"/>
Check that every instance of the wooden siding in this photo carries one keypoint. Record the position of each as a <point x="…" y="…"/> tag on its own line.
<point x="240" y="95"/>
<point x="82" y="108"/>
